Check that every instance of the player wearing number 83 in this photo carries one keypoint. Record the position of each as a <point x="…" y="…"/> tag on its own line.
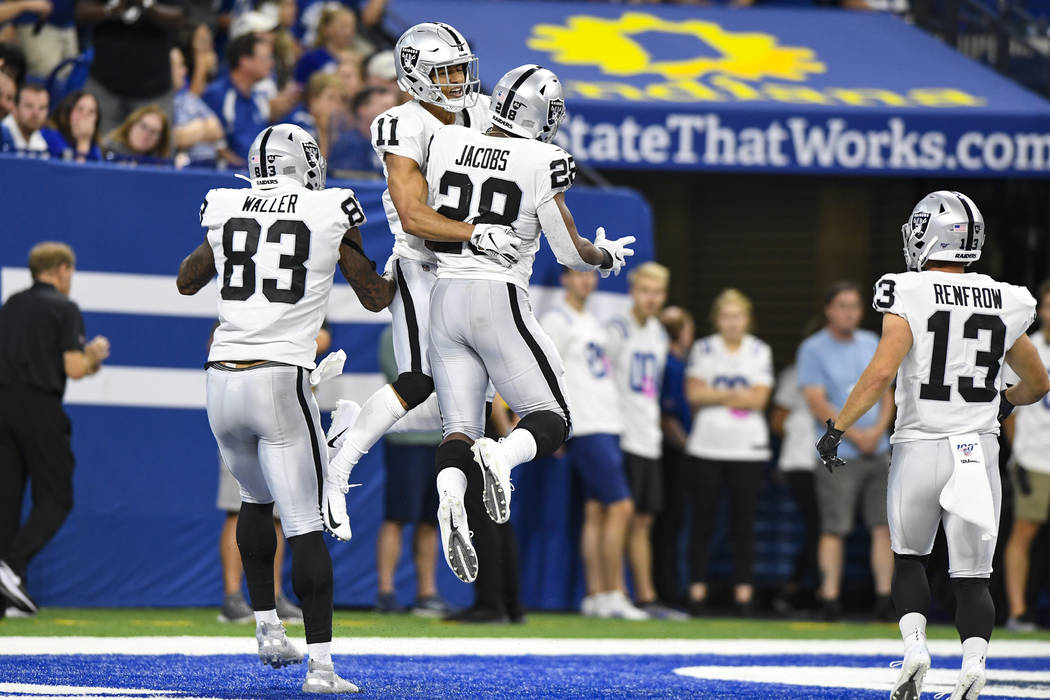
<point x="945" y="335"/>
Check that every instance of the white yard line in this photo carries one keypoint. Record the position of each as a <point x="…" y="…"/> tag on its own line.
<point x="501" y="646"/>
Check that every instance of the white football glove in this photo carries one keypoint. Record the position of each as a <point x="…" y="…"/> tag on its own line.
<point x="617" y="250"/>
<point x="498" y="242"/>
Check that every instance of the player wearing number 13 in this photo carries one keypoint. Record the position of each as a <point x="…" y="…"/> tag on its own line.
<point x="275" y="247"/>
<point x="945" y="335"/>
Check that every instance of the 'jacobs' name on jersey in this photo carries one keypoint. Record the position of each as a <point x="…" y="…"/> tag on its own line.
<point x="961" y="295"/>
<point x="268" y="205"/>
<point x="489" y="158"/>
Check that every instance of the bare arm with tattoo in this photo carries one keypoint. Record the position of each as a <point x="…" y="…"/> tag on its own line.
<point x="374" y="291"/>
<point x="196" y="270"/>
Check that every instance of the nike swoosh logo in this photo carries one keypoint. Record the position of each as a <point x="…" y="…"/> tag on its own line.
<point x="331" y="443"/>
<point x="331" y="520"/>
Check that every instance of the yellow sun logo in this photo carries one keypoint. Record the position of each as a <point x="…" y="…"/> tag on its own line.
<point x="609" y="45"/>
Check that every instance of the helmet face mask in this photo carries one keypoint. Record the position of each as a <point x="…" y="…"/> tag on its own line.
<point x="528" y="102"/>
<point x="425" y="55"/>
<point x="287" y="151"/>
<point x="944" y="226"/>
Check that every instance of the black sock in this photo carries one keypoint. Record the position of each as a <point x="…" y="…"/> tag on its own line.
<point x="312" y="582"/>
<point x="974" y="608"/>
<point x="257" y="542"/>
<point x="911" y="588"/>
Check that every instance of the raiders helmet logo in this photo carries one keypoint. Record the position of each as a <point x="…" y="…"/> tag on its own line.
<point x="919" y="222"/>
<point x="555" y="111"/>
<point x="312" y="153"/>
<point x="409" y="57"/>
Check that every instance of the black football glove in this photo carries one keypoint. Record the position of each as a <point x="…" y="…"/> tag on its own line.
<point x="828" y="448"/>
<point x="1005" y="407"/>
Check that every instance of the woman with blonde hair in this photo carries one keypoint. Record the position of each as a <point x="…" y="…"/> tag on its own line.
<point x="335" y="33"/>
<point x="729" y="379"/>
<point x="144" y="137"/>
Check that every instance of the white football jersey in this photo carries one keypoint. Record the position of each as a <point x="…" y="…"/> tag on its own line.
<point x="800" y="435"/>
<point x="729" y="433"/>
<point x="406" y="130"/>
<point x="961" y="326"/>
<point x="582" y="342"/>
<point x="639" y="356"/>
<point x="1032" y="428"/>
<point x="498" y="180"/>
<point x="276" y="251"/>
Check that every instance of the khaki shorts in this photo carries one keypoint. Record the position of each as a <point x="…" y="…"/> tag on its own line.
<point x="859" y="484"/>
<point x="1033" y="495"/>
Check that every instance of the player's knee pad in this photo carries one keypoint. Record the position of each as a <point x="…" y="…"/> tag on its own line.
<point x="911" y="588"/>
<point x="255" y="533"/>
<point x="413" y="388"/>
<point x="548" y="429"/>
<point x="974" y="608"/>
<point x="453" y="453"/>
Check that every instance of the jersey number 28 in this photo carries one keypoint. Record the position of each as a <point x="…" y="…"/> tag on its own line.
<point x="245" y="260"/>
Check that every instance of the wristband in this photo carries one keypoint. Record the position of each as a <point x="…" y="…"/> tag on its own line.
<point x="607" y="259"/>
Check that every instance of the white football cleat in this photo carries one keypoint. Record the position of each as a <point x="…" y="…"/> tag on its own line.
<point x="343" y="418"/>
<point x="589" y="605"/>
<point x="455" y="538"/>
<point x="334" y="516"/>
<point x="321" y="679"/>
<point x="615" y="605"/>
<point x="913" y="672"/>
<point x="971" y="683"/>
<point x="274" y="647"/>
<point x="488" y="454"/>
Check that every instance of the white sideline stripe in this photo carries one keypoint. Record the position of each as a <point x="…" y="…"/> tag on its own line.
<point x="501" y="646"/>
<point x="156" y="295"/>
<point x="938" y="680"/>
<point x="164" y="387"/>
<point x="37" y="689"/>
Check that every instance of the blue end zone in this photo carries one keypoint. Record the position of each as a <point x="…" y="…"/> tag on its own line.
<point x="382" y="676"/>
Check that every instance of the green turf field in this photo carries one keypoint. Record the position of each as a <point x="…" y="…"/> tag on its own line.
<point x="123" y="622"/>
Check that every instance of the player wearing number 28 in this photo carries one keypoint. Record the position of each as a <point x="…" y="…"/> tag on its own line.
<point x="945" y="335"/>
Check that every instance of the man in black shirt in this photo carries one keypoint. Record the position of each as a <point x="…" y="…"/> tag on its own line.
<point x="41" y="344"/>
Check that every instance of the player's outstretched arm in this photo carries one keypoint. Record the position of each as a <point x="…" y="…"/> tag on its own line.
<point x="196" y="270"/>
<point x="1024" y="359"/>
<point x="374" y="291"/>
<point x="408" y="191"/>
<point x="878" y="375"/>
<point x="572" y="249"/>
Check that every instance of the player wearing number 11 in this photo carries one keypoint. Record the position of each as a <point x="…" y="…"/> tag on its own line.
<point x="945" y="335"/>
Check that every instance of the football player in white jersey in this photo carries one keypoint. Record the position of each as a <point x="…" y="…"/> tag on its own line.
<point x="275" y="247"/>
<point x="435" y="65"/>
<point x="638" y="347"/>
<point x="594" y="450"/>
<point x="945" y="335"/>
<point x="1028" y="430"/>
<point x="481" y="323"/>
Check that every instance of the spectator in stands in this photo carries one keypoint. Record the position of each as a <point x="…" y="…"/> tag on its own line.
<point x="368" y="12"/>
<point x="638" y="350"/>
<point x="791" y="420"/>
<point x="281" y="100"/>
<point x="144" y="137"/>
<point x="335" y="33"/>
<point x="73" y="134"/>
<point x="21" y="128"/>
<point x="199" y="137"/>
<point x="48" y="38"/>
<point x="41" y="345"/>
<point x="410" y="500"/>
<point x="729" y="380"/>
<point x="322" y="103"/>
<point x="352" y="150"/>
<point x="13" y="61"/>
<point x="380" y="72"/>
<point x="351" y="75"/>
<point x="1028" y="429"/>
<point x="202" y="63"/>
<point x="594" y="450"/>
<point x="676" y="416"/>
<point x="8" y="90"/>
<point x="132" y="65"/>
<point x="829" y="364"/>
<point x="242" y="108"/>
<point x="286" y="48"/>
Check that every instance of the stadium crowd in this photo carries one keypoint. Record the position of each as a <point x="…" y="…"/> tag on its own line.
<point x="705" y="414"/>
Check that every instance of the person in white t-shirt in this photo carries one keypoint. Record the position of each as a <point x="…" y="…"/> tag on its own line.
<point x="594" y="450"/>
<point x="791" y="419"/>
<point x="729" y="380"/>
<point x="20" y="130"/>
<point x="1028" y="430"/>
<point x="638" y="347"/>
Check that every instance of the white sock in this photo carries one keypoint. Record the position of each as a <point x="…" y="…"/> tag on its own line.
<point x="452" y="481"/>
<point x="424" y="418"/>
<point x="267" y="616"/>
<point x="519" y="447"/>
<point x="975" y="649"/>
<point x="913" y="629"/>
<point x="321" y="652"/>
<point x="379" y="412"/>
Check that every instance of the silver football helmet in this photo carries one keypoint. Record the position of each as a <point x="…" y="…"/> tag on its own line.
<point x="528" y="102"/>
<point x="943" y="226"/>
<point x="286" y="151"/>
<point x="423" y="56"/>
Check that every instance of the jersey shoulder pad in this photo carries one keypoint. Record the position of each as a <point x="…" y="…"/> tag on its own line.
<point x="557" y="165"/>
<point x="214" y="203"/>
<point x="349" y="206"/>
<point x="399" y="131"/>
<point x="890" y="291"/>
